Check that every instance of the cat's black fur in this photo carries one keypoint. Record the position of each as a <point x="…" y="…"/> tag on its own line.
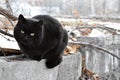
<point x="41" y="37"/>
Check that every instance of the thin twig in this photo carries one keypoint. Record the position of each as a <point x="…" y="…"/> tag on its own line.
<point x="8" y="39"/>
<point x="95" y="46"/>
<point x="8" y="6"/>
<point x="91" y="27"/>
<point x="7" y="14"/>
<point x="72" y="30"/>
<point x="99" y="26"/>
<point x="5" y="33"/>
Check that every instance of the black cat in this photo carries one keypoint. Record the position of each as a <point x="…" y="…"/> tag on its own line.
<point x="41" y="37"/>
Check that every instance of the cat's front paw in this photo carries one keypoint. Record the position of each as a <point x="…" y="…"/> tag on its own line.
<point x="53" y="62"/>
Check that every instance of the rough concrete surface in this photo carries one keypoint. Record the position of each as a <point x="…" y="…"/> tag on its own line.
<point x="112" y="75"/>
<point x="97" y="60"/>
<point x="69" y="69"/>
<point x="100" y="62"/>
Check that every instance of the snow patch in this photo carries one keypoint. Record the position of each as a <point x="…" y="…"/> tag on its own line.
<point x="8" y="42"/>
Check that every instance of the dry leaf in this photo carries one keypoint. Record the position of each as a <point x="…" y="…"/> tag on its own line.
<point x="71" y="49"/>
<point x="89" y="74"/>
<point x="86" y="31"/>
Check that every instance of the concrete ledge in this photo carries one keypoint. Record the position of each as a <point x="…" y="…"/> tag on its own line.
<point x="69" y="69"/>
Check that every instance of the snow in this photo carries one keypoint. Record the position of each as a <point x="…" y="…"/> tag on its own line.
<point x="96" y="33"/>
<point x="113" y="25"/>
<point x="5" y="43"/>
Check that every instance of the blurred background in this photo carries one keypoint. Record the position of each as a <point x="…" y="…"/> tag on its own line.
<point x="64" y="8"/>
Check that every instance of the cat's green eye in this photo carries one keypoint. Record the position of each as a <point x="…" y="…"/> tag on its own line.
<point x="32" y="34"/>
<point x="22" y="32"/>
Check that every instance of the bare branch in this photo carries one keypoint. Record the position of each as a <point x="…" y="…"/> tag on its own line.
<point x="5" y="33"/>
<point x="95" y="46"/>
<point x="8" y="6"/>
<point x="7" y="14"/>
<point x="99" y="26"/>
<point x="111" y="30"/>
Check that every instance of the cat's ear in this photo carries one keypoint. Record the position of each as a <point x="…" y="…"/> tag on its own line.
<point x="40" y="22"/>
<point x="21" y="18"/>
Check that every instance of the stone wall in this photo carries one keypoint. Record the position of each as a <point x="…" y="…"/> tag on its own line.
<point x="69" y="69"/>
<point x="97" y="60"/>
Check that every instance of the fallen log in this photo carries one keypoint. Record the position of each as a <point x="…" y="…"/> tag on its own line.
<point x="7" y="52"/>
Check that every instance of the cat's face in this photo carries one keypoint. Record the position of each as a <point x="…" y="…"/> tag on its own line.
<point x="28" y="31"/>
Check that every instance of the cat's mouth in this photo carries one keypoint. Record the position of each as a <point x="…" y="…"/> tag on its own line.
<point x="27" y="43"/>
<point x="24" y="43"/>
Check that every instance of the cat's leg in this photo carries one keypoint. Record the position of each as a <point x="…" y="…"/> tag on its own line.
<point x="53" y="61"/>
<point x="54" y="57"/>
<point x="38" y="58"/>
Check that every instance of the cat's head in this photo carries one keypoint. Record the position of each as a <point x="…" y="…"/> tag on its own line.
<point x="29" y="31"/>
